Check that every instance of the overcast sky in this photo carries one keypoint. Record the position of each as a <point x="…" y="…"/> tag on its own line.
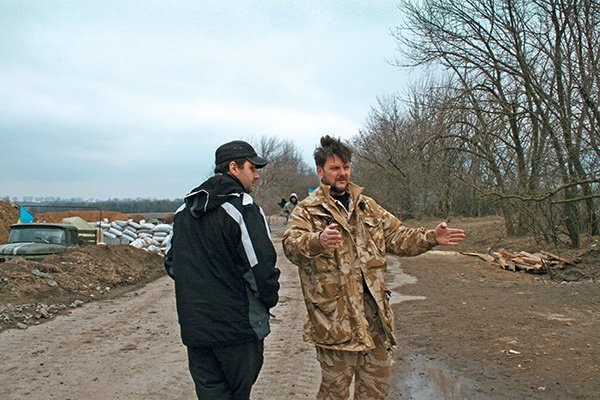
<point x="125" y="99"/>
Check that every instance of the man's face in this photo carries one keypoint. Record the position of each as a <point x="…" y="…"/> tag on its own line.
<point x="248" y="175"/>
<point x="336" y="174"/>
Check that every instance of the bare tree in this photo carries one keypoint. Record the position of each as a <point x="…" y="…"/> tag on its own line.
<point x="400" y="154"/>
<point x="525" y="78"/>
<point x="285" y="173"/>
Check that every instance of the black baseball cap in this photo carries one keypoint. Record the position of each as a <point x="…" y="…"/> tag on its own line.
<point x="238" y="149"/>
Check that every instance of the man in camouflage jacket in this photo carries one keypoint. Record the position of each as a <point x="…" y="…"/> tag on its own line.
<point x="339" y="239"/>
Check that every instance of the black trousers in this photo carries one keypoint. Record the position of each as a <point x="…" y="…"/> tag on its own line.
<point x="223" y="373"/>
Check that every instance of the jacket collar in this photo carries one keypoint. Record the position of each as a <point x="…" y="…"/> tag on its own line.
<point x="354" y="190"/>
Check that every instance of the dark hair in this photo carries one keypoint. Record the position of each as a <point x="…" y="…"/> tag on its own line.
<point x="223" y="168"/>
<point x="329" y="147"/>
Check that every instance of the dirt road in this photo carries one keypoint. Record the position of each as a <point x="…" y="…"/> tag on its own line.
<point x="465" y="332"/>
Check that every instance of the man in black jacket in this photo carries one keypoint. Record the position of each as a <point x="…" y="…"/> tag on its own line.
<point x="226" y="281"/>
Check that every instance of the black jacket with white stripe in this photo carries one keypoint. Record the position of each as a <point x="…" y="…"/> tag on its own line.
<point x="223" y="262"/>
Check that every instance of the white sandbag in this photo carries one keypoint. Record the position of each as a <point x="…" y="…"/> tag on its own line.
<point x="152" y="249"/>
<point x="109" y="234"/>
<point x="138" y="243"/>
<point x="128" y="237"/>
<point x="130" y="232"/>
<point x="115" y="231"/>
<point x="150" y="242"/>
<point x="133" y="224"/>
<point x="167" y="240"/>
<point x="116" y="225"/>
<point x="163" y="228"/>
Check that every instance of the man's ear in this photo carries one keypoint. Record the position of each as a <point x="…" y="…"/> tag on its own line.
<point x="320" y="172"/>
<point x="233" y="168"/>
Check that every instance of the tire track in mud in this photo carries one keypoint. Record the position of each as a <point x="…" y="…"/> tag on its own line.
<point x="124" y="348"/>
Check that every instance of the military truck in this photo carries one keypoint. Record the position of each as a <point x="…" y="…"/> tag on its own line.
<point x="37" y="240"/>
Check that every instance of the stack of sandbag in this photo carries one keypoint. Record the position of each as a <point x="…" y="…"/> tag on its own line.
<point x="143" y="235"/>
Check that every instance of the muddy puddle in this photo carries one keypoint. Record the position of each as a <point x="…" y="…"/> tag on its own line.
<point x="396" y="279"/>
<point x="428" y="379"/>
<point x="425" y="378"/>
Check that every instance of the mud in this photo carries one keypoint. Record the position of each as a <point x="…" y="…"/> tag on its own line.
<point x="465" y="331"/>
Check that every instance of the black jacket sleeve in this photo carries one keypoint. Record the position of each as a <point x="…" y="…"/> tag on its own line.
<point x="258" y="251"/>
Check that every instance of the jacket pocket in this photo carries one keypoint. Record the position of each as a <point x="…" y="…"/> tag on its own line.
<point x="329" y="322"/>
<point x="373" y="256"/>
<point x="374" y="233"/>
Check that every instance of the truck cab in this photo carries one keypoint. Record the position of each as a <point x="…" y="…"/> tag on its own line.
<point x="36" y="241"/>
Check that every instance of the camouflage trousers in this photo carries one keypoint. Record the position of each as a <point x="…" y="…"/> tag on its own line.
<point x="370" y="369"/>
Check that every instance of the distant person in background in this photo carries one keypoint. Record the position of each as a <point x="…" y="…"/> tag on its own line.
<point x="289" y="206"/>
<point x="339" y="239"/>
<point x="282" y="203"/>
<point x="226" y="281"/>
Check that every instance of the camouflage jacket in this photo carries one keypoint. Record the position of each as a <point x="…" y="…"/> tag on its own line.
<point x="334" y="281"/>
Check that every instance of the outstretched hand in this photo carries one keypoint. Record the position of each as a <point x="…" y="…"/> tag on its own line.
<point x="448" y="236"/>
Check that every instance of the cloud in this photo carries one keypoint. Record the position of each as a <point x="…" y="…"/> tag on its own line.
<point x="138" y="94"/>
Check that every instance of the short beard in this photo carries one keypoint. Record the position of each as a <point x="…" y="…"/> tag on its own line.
<point x="334" y="190"/>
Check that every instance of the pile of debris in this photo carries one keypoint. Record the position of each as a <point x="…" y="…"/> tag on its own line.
<point x="539" y="263"/>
